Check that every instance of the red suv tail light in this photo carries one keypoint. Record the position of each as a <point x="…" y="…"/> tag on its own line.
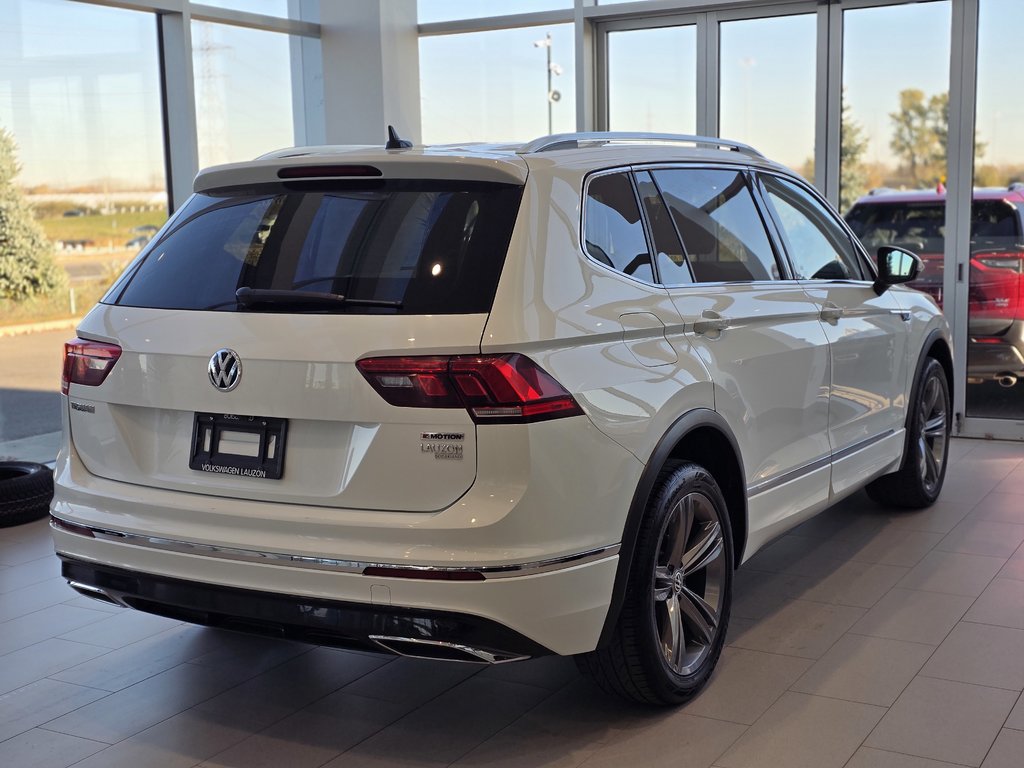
<point x="87" y="362"/>
<point x="1010" y="261"/>
<point x="495" y="389"/>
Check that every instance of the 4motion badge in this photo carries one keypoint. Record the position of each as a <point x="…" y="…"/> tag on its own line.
<point x="443" y="445"/>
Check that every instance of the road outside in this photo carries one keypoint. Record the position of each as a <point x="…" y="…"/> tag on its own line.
<point x="30" y="394"/>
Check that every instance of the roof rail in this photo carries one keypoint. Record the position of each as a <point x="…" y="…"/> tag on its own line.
<point x="575" y="140"/>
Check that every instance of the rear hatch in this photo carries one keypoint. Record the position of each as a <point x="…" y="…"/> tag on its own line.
<point x="240" y="327"/>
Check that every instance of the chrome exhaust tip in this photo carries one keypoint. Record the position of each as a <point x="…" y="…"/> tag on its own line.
<point x="96" y="593"/>
<point x="1006" y="380"/>
<point x="439" y="650"/>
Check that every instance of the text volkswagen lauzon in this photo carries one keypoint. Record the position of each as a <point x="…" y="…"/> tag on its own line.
<point x="485" y="403"/>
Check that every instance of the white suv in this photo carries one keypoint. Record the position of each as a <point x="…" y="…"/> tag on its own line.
<point x="485" y="403"/>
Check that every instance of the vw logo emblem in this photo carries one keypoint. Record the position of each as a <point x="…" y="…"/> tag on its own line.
<point x="225" y="369"/>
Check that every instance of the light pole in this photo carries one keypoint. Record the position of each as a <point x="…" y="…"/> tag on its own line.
<point x="553" y="69"/>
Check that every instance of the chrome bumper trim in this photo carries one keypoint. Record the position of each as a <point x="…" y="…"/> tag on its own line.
<point x="331" y="564"/>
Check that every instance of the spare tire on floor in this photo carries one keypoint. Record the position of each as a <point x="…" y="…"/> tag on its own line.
<point x="25" y="492"/>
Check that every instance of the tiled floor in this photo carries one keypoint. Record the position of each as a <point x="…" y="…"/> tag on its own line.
<point x="867" y="638"/>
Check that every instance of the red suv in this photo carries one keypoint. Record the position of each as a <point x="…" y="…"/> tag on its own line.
<point x="916" y="220"/>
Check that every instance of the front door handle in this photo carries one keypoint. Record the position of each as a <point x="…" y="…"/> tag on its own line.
<point x="831" y="313"/>
<point x="710" y="324"/>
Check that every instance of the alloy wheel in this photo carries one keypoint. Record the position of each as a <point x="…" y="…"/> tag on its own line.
<point x="933" y="439"/>
<point x="688" y="582"/>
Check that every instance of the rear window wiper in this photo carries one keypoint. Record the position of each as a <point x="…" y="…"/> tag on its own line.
<point x="247" y="297"/>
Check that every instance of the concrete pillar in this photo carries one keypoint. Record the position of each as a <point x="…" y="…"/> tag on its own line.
<point x="371" y="73"/>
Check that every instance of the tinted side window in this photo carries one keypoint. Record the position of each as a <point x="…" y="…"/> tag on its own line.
<point x="614" y="233"/>
<point x="818" y="246"/>
<point x="718" y="221"/>
<point x="672" y="266"/>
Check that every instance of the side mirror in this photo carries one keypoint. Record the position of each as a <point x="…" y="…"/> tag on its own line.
<point x="896" y="265"/>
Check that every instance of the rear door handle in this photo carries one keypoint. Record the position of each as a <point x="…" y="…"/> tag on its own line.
<point x="710" y="324"/>
<point x="831" y="313"/>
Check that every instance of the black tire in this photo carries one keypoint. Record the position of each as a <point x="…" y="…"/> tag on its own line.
<point x="638" y="663"/>
<point x="25" y="492"/>
<point x="919" y="479"/>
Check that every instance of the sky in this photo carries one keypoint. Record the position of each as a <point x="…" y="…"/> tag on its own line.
<point x="79" y="84"/>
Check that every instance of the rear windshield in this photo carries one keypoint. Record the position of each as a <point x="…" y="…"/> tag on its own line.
<point x="416" y="247"/>
<point x="921" y="227"/>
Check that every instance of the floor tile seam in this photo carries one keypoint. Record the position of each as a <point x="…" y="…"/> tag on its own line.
<point x="295" y="712"/>
<point x="158" y="722"/>
<point x="899" y="639"/>
<point x="43" y="608"/>
<point x="988" y="624"/>
<point x="103" y="744"/>
<point x="908" y="754"/>
<point x="434" y="698"/>
<point x="4" y="592"/>
<point x="731" y="744"/>
<point x="78" y="685"/>
<point x="933" y="676"/>
<point x="94" y="605"/>
<point x="1001" y="728"/>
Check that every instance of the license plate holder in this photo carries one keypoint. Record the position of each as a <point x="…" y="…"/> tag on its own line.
<point x="238" y="446"/>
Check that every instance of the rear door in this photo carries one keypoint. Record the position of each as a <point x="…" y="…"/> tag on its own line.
<point x="759" y="335"/>
<point x="417" y="263"/>
<point x="868" y="334"/>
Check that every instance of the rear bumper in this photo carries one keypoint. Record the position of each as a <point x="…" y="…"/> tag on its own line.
<point x="991" y="360"/>
<point x="430" y="633"/>
<point x="558" y="611"/>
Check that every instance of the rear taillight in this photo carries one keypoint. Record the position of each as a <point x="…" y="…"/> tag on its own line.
<point x="495" y="389"/>
<point x="1011" y="261"/>
<point x="87" y="362"/>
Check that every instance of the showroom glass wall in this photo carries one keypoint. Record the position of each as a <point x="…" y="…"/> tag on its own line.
<point x="857" y="95"/>
<point x="107" y="111"/>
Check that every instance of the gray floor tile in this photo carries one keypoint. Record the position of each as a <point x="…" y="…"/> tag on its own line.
<point x="481" y="707"/>
<point x="940" y="517"/>
<point x="866" y="757"/>
<point x="953" y="573"/>
<point x="757" y="594"/>
<point x="1000" y="508"/>
<point x="314" y="735"/>
<point x="120" y="629"/>
<point x="130" y="710"/>
<point x="411" y="680"/>
<point x="800" y="628"/>
<point x="18" y="552"/>
<point x="1013" y="483"/>
<point x="1002" y="603"/>
<point x="17" y="576"/>
<point x="1016" y="718"/>
<point x="19" y="602"/>
<point x="551" y="672"/>
<point x="801" y="731"/>
<point x="1007" y="752"/>
<point x="1014" y="568"/>
<point x="40" y="702"/>
<point x="45" y="749"/>
<point x="983" y="537"/>
<point x="914" y="616"/>
<point x="745" y="684"/>
<point x="980" y="654"/>
<point x="895" y="546"/>
<point x="869" y="670"/>
<point x="850" y="583"/>
<point x="699" y="739"/>
<point x="24" y="666"/>
<point x="43" y="624"/>
<point x="944" y="720"/>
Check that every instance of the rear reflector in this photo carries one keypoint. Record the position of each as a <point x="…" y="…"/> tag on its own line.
<point x="64" y="525"/>
<point x="321" y="171"/>
<point x="421" y="573"/>
<point x="495" y="389"/>
<point x="87" y="362"/>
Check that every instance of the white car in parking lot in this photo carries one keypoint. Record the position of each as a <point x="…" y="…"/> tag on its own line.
<point x="486" y="403"/>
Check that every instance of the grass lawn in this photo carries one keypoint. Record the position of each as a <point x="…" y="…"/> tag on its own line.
<point x="103" y="229"/>
<point x="54" y="307"/>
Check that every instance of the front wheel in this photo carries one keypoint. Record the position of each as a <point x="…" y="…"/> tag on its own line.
<point x="919" y="480"/>
<point x="676" y="610"/>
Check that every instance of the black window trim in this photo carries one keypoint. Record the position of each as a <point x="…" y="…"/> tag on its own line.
<point x="627" y="171"/>
<point x="866" y="264"/>
<point x="781" y="261"/>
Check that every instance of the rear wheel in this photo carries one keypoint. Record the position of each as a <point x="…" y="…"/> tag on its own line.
<point x="676" y="611"/>
<point x="919" y="480"/>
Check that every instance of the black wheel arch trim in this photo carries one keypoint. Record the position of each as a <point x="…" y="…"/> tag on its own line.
<point x="934" y="336"/>
<point x="687" y="423"/>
